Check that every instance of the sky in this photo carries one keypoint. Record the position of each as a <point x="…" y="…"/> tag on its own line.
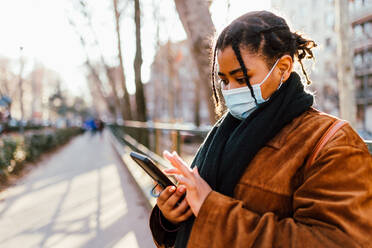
<point x="41" y="27"/>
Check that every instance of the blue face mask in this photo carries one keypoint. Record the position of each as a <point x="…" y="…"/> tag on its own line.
<point x="240" y="101"/>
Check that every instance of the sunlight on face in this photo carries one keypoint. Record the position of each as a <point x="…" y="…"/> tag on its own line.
<point x="232" y="76"/>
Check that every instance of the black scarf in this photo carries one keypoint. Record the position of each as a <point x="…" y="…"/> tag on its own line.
<point x="232" y="144"/>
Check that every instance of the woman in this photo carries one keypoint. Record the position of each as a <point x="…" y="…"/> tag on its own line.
<point x="261" y="177"/>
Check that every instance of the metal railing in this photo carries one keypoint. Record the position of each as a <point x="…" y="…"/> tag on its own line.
<point x="132" y="131"/>
<point x="369" y="144"/>
<point x="177" y="133"/>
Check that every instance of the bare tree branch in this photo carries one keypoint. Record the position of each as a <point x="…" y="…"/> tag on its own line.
<point x="127" y="114"/>
<point x="98" y="82"/>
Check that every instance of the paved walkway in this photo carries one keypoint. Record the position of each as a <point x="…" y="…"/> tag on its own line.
<point x="81" y="196"/>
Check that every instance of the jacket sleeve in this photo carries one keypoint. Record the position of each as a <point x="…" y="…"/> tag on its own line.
<point x="163" y="232"/>
<point x="331" y="208"/>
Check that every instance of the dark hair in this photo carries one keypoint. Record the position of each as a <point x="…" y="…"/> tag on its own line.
<point x="265" y="34"/>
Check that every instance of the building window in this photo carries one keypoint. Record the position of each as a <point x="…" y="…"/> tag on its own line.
<point x="315" y="26"/>
<point x="328" y="42"/>
<point x="358" y="32"/>
<point x="358" y="4"/>
<point x="368" y="29"/>
<point x="368" y="59"/>
<point x="358" y="61"/>
<point x="330" y="20"/>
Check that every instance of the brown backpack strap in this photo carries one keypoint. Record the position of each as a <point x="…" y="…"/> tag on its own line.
<point x="326" y="136"/>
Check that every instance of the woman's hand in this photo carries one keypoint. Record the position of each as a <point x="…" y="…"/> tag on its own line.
<point x="168" y="204"/>
<point x="196" y="188"/>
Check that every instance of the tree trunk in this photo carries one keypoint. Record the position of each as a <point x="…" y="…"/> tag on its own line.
<point x="140" y="96"/>
<point x="170" y="85"/>
<point x="113" y="89"/>
<point x="197" y="22"/>
<point x="197" y="107"/>
<point x="345" y="72"/>
<point x="126" y="109"/>
<point x="157" y="84"/>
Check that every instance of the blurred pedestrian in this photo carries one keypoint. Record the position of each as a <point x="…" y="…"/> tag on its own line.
<point x="100" y="126"/>
<point x="90" y="125"/>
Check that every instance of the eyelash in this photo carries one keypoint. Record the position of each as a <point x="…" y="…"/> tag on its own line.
<point x="241" y="80"/>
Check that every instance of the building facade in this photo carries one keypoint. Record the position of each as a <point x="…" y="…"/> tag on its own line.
<point x="317" y="19"/>
<point x="173" y="92"/>
<point x="361" y="18"/>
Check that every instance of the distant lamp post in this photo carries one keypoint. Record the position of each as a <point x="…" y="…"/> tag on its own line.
<point x="20" y="86"/>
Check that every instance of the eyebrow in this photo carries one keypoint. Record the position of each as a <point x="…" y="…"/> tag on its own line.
<point x="232" y="72"/>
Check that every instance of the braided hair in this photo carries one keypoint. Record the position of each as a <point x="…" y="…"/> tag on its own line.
<point x="265" y="34"/>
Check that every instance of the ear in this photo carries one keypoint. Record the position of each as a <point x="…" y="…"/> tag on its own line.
<point x="285" y="66"/>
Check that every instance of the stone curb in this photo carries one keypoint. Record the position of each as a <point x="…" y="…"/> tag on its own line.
<point x="144" y="182"/>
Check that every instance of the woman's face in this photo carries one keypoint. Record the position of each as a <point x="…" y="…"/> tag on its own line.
<point x="232" y="76"/>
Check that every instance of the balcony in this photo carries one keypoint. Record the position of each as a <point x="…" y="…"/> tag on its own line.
<point x="363" y="71"/>
<point x="361" y="14"/>
<point x="361" y="45"/>
<point x="364" y="96"/>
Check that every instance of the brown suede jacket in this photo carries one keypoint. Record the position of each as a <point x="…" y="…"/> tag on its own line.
<point x="280" y="202"/>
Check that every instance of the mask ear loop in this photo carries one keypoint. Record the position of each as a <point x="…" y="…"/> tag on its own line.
<point x="152" y="192"/>
<point x="281" y="82"/>
<point x="268" y="74"/>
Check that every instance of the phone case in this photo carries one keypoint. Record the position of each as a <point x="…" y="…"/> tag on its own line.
<point x="151" y="169"/>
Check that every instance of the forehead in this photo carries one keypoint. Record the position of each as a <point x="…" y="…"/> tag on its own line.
<point x="227" y="60"/>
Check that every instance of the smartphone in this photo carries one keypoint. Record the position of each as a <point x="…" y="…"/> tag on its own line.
<point x="151" y="169"/>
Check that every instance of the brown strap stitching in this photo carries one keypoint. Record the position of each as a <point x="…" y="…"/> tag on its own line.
<point x="326" y="136"/>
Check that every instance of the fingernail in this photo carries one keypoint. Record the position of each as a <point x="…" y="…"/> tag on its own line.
<point x="181" y="189"/>
<point x="172" y="189"/>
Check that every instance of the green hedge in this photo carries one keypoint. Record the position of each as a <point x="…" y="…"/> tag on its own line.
<point x="17" y="149"/>
<point x="8" y="128"/>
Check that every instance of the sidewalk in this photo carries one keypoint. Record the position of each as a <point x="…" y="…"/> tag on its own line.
<point x="82" y="196"/>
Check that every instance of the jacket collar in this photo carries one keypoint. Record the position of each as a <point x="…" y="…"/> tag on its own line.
<point x="280" y="139"/>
